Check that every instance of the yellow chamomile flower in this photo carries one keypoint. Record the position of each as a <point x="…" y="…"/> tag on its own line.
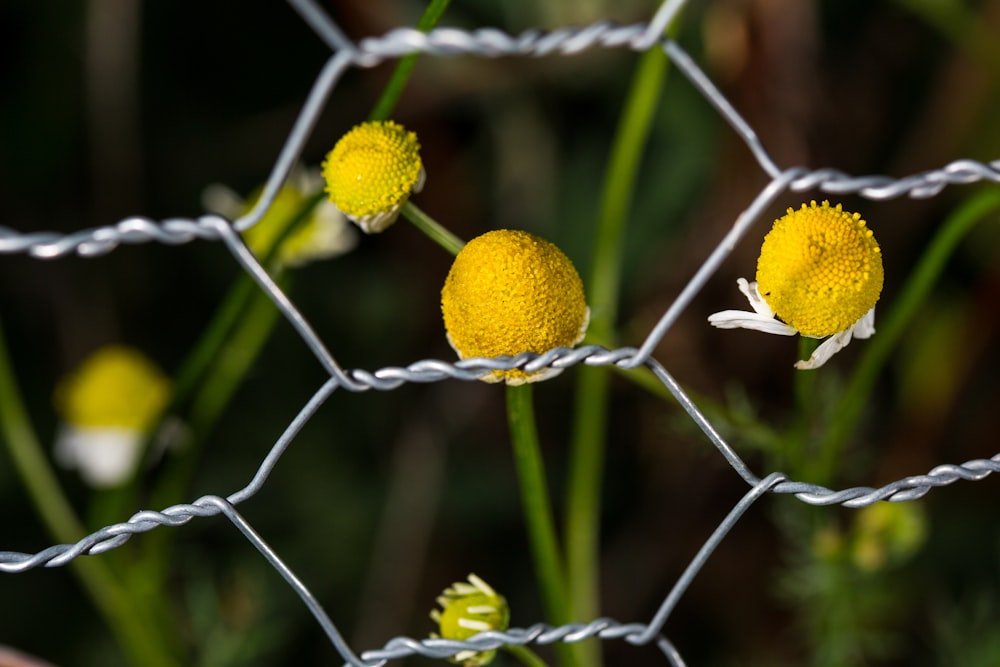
<point x="108" y="405"/>
<point x="510" y="292"/>
<point x="323" y="234"/>
<point x="372" y="171"/>
<point x="820" y="273"/>
<point x="466" y="610"/>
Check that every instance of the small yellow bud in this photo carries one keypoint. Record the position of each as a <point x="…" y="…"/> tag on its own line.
<point x="466" y="610"/>
<point x="371" y="172"/>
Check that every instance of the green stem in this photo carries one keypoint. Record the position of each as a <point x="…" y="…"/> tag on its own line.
<point x="525" y="655"/>
<point x="432" y="228"/>
<point x="142" y="641"/>
<point x="538" y="508"/>
<point x="404" y="68"/>
<point x="906" y="305"/>
<point x="797" y="446"/>
<point x="227" y="318"/>
<point x="590" y="410"/>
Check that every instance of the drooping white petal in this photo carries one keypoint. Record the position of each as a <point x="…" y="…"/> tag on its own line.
<point x="865" y="327"/>
<point x="827" y="349"/>
<point x="761" y="319"/>
<point x="753" y="295"/>
<point x="743" y="319"/>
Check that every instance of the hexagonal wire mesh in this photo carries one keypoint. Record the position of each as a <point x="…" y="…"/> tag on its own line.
<point x="493" y="43"/>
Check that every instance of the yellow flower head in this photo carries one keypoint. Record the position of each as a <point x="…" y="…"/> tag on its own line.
<point x="466" y="610"/>
<point x="109" y="405"/>
<point x="371" y="172"/>
<point x="510" y="292"/>
<point x="116" y="387"/>
<point x="820" y="269"/>
<point x="820" y="272"/>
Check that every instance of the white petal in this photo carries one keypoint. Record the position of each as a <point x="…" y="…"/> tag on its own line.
<point x="217" y="198"/>
<point x="742" y="319"/>
<point x="753" y="295"/>
<point x="865" y="327"/>
<point x="827" y="349"/>
<point x="106" y="456"/>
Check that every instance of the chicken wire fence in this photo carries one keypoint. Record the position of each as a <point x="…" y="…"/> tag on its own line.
<point x="493" y="43"/>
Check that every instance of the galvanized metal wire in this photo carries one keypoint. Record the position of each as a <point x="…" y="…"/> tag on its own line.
<point x="493" y="43"/>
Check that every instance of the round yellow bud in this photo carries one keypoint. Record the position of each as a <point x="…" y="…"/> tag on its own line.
<point x="466" y="610"/>
<point x="371" y="172"/>
<point x="117" y="387"/>
<point x="820" y="269"/>
<point x="510" y="292"/>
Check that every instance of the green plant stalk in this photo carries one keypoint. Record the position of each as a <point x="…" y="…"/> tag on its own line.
<point x="590" y="408"/>
<point x="141" y="640"/>
<point x="430" y="227"/>
<point x="227" y="318"/>
<point x="797" y="446"/>
<point x="404" y="68"/>
<point x="537" y="507"/>
<point x="890" y="329"/>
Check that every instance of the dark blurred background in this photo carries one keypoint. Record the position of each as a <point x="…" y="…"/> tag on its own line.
<point x="114" y="107"/>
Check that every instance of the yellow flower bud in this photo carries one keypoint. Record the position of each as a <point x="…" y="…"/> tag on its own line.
<point x="371" y="172"/>
<point x="510" y="292"/>
<point x="466" y="610"/>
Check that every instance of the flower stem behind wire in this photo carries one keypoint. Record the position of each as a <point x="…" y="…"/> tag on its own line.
<point x="431" y="228"/>
<point x="591" y="403"/>
<point x="538" y="511"/>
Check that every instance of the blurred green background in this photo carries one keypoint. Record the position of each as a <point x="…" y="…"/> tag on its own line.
<point x="113" y="107"/>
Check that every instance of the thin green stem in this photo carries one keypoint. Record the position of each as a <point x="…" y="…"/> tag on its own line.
<point x="590" y="410"/>
<point x="537" y="507"/>
<point x="890" y="329"/>
<point x="227" y="318"/>
<point x="144" y="642"/>
<point x="432" y="228"/>
<point x="525" y="655"/>
<point x="797" y="446"/>
<point x="404" y="68"/>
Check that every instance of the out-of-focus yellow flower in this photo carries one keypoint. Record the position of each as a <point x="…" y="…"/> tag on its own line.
<point x="820" y="272"/>
<point x="887" y="533"/>
<point x="371" y="172"/>
<point x="323" y="233"/>
<point x="510" y="292"/>
<point x="108" y="405"/>
<point x="466" y="610"/>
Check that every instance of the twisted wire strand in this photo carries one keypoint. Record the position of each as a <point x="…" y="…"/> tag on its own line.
<point x="602" y="628"/>
<point x="539" y="633"/>
<point x="908" y="488"/>
<point x="432" y="370"/>
<point x="115" y="535"/>
<point x="488" y="42"/>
